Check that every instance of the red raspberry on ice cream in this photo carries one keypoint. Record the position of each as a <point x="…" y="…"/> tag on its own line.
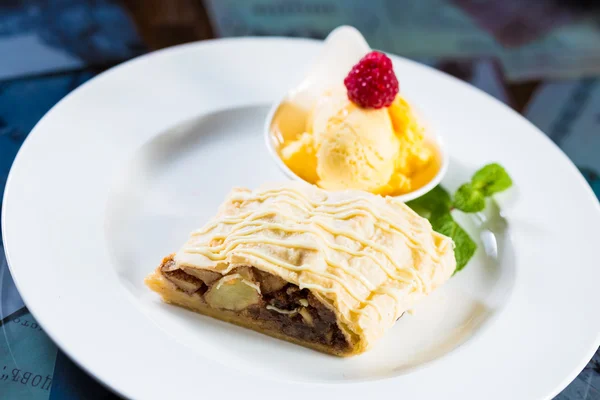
<point x="372" y="83"/>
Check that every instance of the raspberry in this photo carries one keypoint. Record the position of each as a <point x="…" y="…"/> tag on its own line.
<point x="372" y="83"/>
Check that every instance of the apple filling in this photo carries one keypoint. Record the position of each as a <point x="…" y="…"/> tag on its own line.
<point x="263" y="298"/>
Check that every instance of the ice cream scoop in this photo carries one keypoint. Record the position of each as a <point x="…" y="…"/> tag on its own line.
<point x="355" y="148"/>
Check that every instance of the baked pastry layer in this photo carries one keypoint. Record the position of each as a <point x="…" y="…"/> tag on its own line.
<point x="363" y="258"/>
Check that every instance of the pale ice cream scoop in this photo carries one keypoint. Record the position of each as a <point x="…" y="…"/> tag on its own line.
<point x="355" y="147"/>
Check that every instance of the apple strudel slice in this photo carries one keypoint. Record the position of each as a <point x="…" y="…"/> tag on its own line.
<point x="330" y="271"/>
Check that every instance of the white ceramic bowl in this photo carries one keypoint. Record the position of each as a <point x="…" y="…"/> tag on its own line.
<point x="437" y="140"/>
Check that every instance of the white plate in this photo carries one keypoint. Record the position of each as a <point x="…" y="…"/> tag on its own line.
<point x="115" y="176"/>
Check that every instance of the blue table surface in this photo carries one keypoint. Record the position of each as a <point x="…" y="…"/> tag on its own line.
<point x="93" y="35"/>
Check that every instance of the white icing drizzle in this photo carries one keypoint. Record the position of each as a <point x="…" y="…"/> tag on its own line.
<point x="219" y="253"/>
<point x="261" y="225"/>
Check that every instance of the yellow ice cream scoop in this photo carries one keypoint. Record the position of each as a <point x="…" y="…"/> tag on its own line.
<point x="355" y="148"/>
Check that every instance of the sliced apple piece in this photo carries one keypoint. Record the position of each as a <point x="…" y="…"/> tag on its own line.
<point x="269" y="283"/>
<point x="246" y="273"/>
<point x="233" y="292"/>
<point x="205" y="276"/>
<point x="183" y="281"/>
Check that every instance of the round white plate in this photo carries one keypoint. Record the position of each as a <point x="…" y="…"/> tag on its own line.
<point x="115" y="176"/>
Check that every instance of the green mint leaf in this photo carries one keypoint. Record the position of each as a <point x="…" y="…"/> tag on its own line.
<point x="464" y="248"/>
<point x="436" y="201"/>
<point x="469" y="199"/>
<point x="491" y="179"/>
<point x="435" y="206"/>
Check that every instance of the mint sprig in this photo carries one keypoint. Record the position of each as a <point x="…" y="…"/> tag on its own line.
<point x="437" y="204"/>
<point x="489" y="180"/>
